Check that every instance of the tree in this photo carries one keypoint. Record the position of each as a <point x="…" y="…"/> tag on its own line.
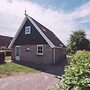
<point x="78" y="41"/>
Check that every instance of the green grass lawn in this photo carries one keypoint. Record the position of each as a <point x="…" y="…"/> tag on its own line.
<point x="8" y="69"/>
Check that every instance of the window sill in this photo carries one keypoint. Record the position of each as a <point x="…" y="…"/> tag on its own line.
<point x="39" y="54"/>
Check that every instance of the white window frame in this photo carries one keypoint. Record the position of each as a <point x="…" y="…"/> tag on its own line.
<point x="17" y="57"/>
<point x="27" y="29"/>
<point x="38" y="49"/>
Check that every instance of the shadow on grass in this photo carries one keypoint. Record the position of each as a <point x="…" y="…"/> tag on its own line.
<point x="56" y="69"/>
<point x="2" y="63"/>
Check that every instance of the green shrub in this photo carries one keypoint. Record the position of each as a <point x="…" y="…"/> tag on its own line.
<point x="77" y="73"/>
<point x="2" y="56"/>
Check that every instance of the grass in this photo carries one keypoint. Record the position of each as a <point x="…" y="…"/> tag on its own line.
<point x="11" y="68"/>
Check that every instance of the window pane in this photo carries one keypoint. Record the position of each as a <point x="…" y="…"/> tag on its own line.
<point x="27" y="30"/>
<point x="40" y="49"/>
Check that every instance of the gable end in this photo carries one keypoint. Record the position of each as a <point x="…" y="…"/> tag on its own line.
<point x="38" y="35"/>
<point x="32" y="38"/>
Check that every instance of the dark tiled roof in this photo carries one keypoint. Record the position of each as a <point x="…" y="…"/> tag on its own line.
<point x="50" y="35"/>
<point x="5" y="40"/>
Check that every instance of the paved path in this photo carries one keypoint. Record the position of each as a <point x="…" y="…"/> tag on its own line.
<point x="31" y="81"/>
<point x="44" y="80"/>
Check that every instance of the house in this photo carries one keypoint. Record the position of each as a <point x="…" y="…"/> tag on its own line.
<point x="4" y="42"/>
<point x="36" y="44"/>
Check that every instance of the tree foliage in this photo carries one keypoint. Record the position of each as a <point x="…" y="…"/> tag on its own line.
<point x="77" y="73"/>
<point x="78" y="41"/>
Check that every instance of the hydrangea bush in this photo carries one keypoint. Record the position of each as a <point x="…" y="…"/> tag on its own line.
<point x="77" y="73"/>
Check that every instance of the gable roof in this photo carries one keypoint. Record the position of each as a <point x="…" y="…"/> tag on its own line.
<point x="51" y="36"/>
<point x="5" y="40"/>
<point x="48" y="35"/>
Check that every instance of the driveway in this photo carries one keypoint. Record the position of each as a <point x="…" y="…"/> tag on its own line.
<point x="43" y="80"/>
<point x="31" y="81"/>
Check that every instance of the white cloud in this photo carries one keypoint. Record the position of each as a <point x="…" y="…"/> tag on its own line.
<point x="82" y="12"/>
<point x="60" y="22"/>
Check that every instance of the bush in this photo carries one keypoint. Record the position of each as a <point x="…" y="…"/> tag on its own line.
<point x="2" y="56"/>
<point x="77" y="73"/>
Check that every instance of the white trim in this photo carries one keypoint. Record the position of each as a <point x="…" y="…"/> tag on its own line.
<point x="17" y="33"/>
<point x="43" y="35"/>
<point x="37" y="50"/>
<point x="17" y="57"/>
<point x="58" y="47"/>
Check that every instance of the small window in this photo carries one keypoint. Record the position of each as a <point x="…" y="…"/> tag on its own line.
<point x="27" y="29"/>
<point x="39" y="49"/>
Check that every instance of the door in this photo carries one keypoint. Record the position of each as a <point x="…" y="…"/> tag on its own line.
<point x="17" y="53"/>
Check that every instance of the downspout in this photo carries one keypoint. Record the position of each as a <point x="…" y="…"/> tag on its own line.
<point x="54" y="55"/>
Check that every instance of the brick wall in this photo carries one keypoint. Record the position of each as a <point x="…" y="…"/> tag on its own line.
<point x="32" y="57"/>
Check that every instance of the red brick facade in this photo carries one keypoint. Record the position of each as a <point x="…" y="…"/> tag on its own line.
<point x="31" y="56"/>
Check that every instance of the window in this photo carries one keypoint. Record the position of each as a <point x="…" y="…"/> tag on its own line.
<point x="39" y="49"/>
<point x="27" y="29"/>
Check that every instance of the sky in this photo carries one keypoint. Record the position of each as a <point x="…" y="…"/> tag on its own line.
<point x="60" y="16"/>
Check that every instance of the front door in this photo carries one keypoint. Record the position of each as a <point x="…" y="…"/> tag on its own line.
<point x="17" y="52"/>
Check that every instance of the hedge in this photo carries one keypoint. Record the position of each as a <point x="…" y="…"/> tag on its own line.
<point x="77" y="73"/>
<point x="2" y="56"/>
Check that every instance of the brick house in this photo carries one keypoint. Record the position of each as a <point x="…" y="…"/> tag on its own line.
<point x="35" y="44"/>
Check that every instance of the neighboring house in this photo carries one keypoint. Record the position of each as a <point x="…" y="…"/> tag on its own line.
<point x="35" y="44"/>
<point x="4" y="42"/>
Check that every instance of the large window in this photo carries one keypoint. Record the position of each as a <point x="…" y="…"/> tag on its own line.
<point x="39" y="49"/>
<point x="27" y="29"/>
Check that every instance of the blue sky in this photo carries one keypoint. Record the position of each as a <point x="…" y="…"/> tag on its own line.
<point x="60" y="16"/>
<point x="63" y="4"/>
